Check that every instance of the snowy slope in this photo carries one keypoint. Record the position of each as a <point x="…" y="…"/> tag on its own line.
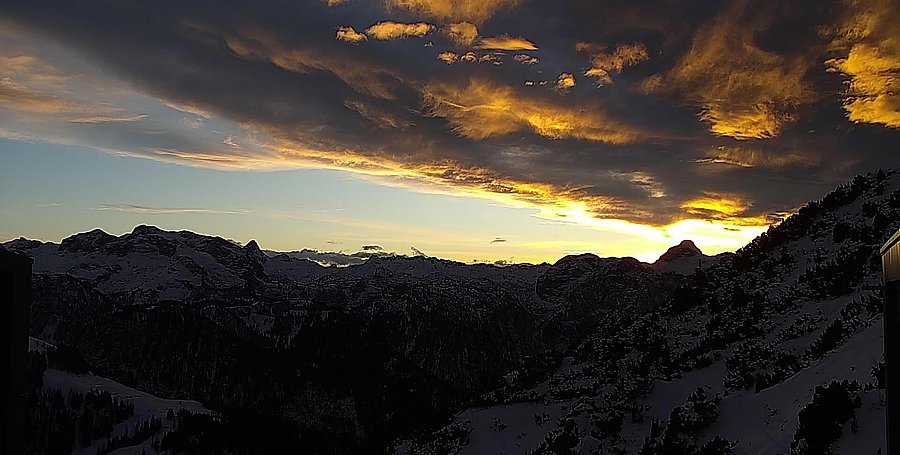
<point x="146" y="405"/>
<point x="757" y="332"/>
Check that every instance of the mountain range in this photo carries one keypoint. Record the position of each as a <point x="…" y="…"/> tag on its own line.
<point x="734" y="353"/>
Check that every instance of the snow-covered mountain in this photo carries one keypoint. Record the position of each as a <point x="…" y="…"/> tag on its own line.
<point x="775" y="349"/>
<point x="236" y="328"/>
<point x="423" y="355"/>
<point x="150" y="264"/>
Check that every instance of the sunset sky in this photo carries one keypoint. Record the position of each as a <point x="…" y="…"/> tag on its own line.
<point x="516" y="130"/>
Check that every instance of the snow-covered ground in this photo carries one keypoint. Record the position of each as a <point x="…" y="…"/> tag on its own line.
<point x="146" y="405"/>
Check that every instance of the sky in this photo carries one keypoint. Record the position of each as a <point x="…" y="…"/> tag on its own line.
<point x="514" y="130"/>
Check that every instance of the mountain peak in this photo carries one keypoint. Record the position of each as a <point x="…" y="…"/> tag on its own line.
<point x="685" y="249"/>
<point x="86" y="241"/>
<point x="144" y="229"/>
<point x="252" y="246"/>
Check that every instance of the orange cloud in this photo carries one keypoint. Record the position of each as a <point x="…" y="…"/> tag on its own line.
<point x="462" y="33"/>
<point x="476" y="11"/>
<point x="724" y="207"/>
<point x="482" y="109"/>
<point x="489" y="58"/>
<point x="526" y="59"/>
<point x="870" y="39"/>
<point x="349" y="35"/>
<point x="447" y="177"/>
<point x="743" y="91"/>
<point x="506" y="43"/>
<point x="602" y="63"/>
<point x="388" y="30"/>
<point x="448" y="57"/>
<point x="565" y="82"/>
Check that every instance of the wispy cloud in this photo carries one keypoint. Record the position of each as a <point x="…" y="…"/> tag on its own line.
<point x="748" y="157"/>
<point x="108" y="119"/>
<point x="128" y="208"/>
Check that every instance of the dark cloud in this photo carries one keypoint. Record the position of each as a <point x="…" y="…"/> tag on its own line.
<point x="719" y="110"/>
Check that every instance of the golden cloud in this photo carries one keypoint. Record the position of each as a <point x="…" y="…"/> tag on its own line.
<point x="482" y="109"/>
<point x="476" y="11"/>
<point x="724" y="207"/>
<point x="489" y="58"/>
<point x="349" y="35"/>
<point x="388" y="30"/>
<point x="743" y="91"/>
<point x="462" y="33"/>
<point x="565" y="82"/>
<point x="506" y="43"/>
<point x="602" y="63"/>
<point x="363" y="77"/>
<point x="448" y="57"/>
<point x="870" y="37"/>
<point x="449" y="177"/>
<point x="469" y="57"/>
<point x="713" y="219"/>
<point x="526" y="59"/>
